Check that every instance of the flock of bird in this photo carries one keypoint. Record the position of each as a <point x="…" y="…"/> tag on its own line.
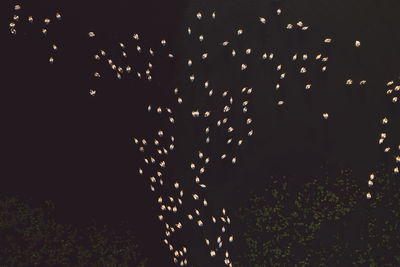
<point x="392" y="91"/>
<point x="31" y="20"/>
<point x="183" y="207"/>
<point x="127" y="55"/>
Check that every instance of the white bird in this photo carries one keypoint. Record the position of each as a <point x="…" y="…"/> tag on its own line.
<point x="357" y="43"/>
<point x="162" y="164"/>
<point x="199" y="16"/>
<point x="264" y="56"/>
<point x="368" y="195"/>
<point x="271" y="56"/>
<point x="263" y="20"/>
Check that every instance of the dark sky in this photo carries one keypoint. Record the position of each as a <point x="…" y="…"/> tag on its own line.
<point x="60" y="143"/>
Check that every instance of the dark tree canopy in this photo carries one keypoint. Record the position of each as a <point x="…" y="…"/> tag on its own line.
<point x="326" y="222"/>
<point x="31" y="237"/>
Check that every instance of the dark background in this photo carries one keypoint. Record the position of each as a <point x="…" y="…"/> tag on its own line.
<point x="60" y="143"/>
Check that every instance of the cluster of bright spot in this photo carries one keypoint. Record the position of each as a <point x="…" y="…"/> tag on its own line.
<point x="17" y="18"/>
<point x="178" y="210"/>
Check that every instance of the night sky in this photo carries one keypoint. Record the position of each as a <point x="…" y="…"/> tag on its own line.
<point x="58" y="142"/>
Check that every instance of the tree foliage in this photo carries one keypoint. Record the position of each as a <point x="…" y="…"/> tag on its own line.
<point x="326" y="222"/>
<point x="31" y="237"/>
